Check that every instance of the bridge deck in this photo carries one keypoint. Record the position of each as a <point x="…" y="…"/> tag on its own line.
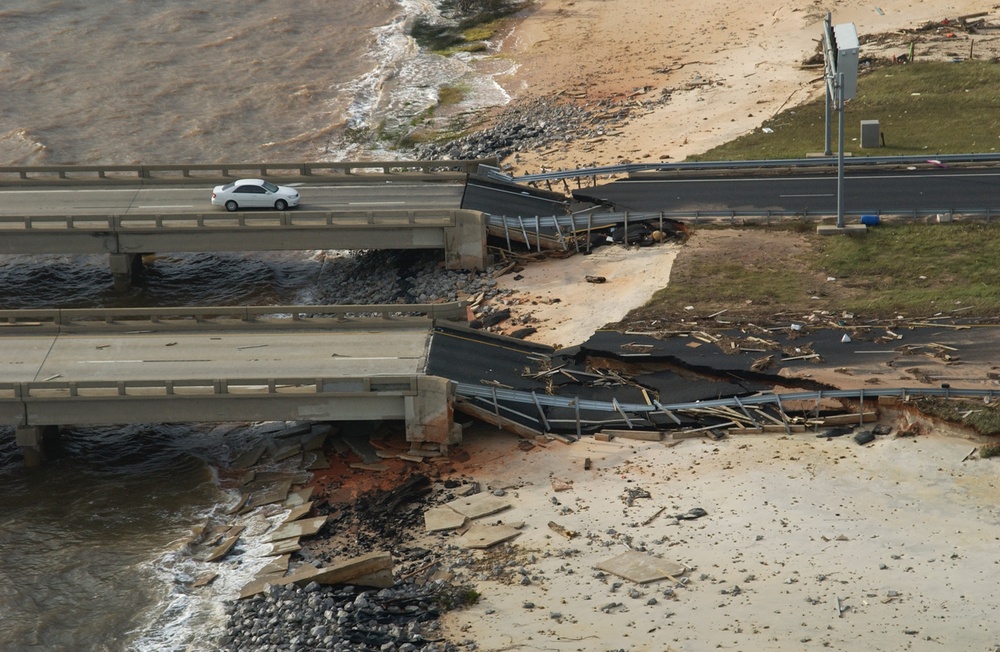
<point x="212" y="355"/>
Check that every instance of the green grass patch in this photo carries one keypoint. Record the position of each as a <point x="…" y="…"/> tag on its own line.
<point x="450" y="94"/>
<point x="914" y="270"/>
<point x="990" y="450"/>
<point x="477" y="24"/>
<point x="482" y="31"/>
<point x="922" y="108"/>
<point x="984" y="419"/>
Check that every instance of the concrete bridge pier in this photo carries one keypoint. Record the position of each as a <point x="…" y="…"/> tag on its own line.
<point x="430" y="415"/>
<point x="465" y="243"/>
<point x="124" y="268"/>
<point x="38" y="443"/>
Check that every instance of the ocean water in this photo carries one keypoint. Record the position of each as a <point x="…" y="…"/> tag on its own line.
<point x="92" y="553"/>
<point x="139" y="81"/>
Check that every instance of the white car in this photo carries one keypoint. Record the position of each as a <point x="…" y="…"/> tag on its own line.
<point x="254" y="193"/>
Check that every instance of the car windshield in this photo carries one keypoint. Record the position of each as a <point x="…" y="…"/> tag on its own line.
<point x="270" y="187"/>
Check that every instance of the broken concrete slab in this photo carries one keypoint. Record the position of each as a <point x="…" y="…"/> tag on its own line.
<point x="303" y="573"/>
<point x="246" y="459"/>
<point x="284" y="547"/>
<point x="261" y="582"/>
<point x="640" y="567"/>
<point x="279" y="565"/>
<point x="304" y="528"/>
<point x="361" y="447"/>
<point x="485" y="536"/>
<point x="382" y="579"/>
<point x="204" y="579"/>
<point x="478" y="505"/>
<point x="300" y="497"/>
<point x="438" y="519"/>
<point x="352" y="570"/>
<point x="316" y="439"/>
<point x="315" y="461"/>
<point x="268" y="495"/>
<point x="223" y="549"/>
<point x="298" y="512"/>
<point x="284" y="452"/>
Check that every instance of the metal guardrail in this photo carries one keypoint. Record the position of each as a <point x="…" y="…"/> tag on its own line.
<point x="325" y="170"/>
<point x="492" y="172"/>
<point x="296" y="316"/>
<point x="494" y="396"/>
<point x="561" y="228"/>
<point x="425" y="217"/>
<point x="339" y="386"/>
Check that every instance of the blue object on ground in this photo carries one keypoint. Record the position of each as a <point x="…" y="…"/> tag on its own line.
<point x="869" y="220"/>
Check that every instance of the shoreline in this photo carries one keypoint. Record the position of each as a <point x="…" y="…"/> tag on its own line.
<point x="723" y="67"/>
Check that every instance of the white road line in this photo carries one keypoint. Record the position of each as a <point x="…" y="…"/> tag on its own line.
<point x="373" y="203"/>
<point x="168" y="206"/>
<point x="829" y="194"/>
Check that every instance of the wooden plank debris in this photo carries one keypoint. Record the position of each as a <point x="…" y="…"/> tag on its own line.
<point x="641" y="435"/>
<point x="848" y="419"/>
<point x="569" y="534"/>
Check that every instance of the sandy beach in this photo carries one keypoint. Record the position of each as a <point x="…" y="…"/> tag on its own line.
<point x="898" y="531"/>
<point x="726" y="66"/>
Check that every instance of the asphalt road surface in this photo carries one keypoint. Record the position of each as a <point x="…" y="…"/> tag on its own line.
<point x="925" y="189"/>
<point x="197" y="199"/>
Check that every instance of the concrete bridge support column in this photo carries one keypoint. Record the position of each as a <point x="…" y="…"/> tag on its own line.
<point x="430" y="416"/>
<point x="465" y="243"/>
<point x="123" y="269"/>
<point x="38" y="443"/>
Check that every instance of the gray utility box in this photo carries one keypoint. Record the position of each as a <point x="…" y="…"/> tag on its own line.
<point x="870" y="134"/>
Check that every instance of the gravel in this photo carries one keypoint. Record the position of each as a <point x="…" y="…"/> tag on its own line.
<point x="540" y="123"/>
<point x="342" y="619"/>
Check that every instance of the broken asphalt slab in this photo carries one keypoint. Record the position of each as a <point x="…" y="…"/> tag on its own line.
<point x="478" y="505"/>
<point x="439" y="519"/>
<point x="640" y="567"/>
<point x="486" y="536"/>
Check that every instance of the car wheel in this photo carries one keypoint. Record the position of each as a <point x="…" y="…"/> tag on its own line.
<point x="281" y="205"/>
<point x="231" y="206"/>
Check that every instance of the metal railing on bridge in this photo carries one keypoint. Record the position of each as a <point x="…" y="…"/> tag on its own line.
<point x="492" y="172"/>
<point x="16" y="322"/>
<point x="226" y="387"/>
<point x="502" y="402"/>
<point x="565" y="232"/>
<point x="352" y="171"/>
<point x="276" y="220"/>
